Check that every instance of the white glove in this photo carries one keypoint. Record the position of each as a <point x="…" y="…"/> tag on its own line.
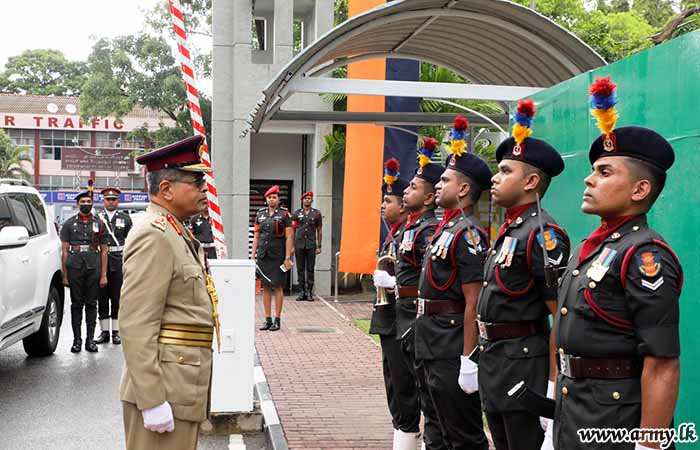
<point x="544" y="422"/>
<point x="468" y="375"/>
<point x="382" y="279"/>
<point x="159" y="419"/>
<point x="548" y="443"/>
<point x="639" y="446"/>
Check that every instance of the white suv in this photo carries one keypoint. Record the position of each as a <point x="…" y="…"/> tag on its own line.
<point x="31" y="289"/>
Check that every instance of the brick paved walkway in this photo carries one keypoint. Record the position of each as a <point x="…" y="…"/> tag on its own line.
<point x="327" y="386"/>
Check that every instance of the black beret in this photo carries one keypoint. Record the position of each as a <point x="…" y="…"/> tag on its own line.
<point x="83" y="194"/>
<point x="396" y="188"/>
<point x="430" y="172"/>
<point x="635" y="142"/>
<point x="535" y="152"/>
<point x="473" y="167"/>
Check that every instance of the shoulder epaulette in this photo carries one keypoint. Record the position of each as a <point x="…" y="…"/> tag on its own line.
<point x="159" y="222"/>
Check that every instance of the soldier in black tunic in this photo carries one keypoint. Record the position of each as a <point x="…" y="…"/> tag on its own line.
<point x="272" y="252"/>
<point x="419" y="200"/>
<point x="200" y="226"/>
<point x="447" y="293"/>
<point x="307" y="224"/>
<point x="518" y="296"/>
<point x="84" y="247"/>
<point x="401" y="391"/>
<point x="117" y="226"/>
<point x="617" y="326"/>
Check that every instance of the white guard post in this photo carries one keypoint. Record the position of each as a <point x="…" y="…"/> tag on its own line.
<point x="232" y="380"/>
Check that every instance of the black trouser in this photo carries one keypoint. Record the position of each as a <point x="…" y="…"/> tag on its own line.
<point x="111" y="292"/>
<point x="210" y="252"/>
<point x="432" y="434"/>
<point x="401" y="390"/>
<point x="84" y="291"/>
<point x="458" y="412"/>
<point x="515" y="430"/>
<point x="306" y="264"/>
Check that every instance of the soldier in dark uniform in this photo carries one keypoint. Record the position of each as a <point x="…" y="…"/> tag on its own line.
<point x="117" y="225"/>
<point x="401" y="391"/>
<point x="84" y="246"/>
<point x="200" y="225"/>
<point x="419" y="200"/>
<point x="518" y="296"/>
<point x="447" y="293"/>
<point x="307" y="244"/>
<point x="617" y="325"/>
<point x="272" y="252"/>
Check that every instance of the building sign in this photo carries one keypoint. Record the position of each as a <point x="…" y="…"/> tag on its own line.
<point x="92" y="159"/>
<point x="74" y="122"/>
<point x="52" y="197"/>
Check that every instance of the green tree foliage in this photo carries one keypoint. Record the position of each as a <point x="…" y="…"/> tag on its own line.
<point x="42" y="72"/>
<point x="138" y="70"/>
<point x="12" y="158"/>
<point x="616" y="35"/>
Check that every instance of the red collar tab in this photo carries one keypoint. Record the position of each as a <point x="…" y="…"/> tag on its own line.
<point x="174" y="224"/>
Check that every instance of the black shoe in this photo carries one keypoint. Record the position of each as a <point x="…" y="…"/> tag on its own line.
<point x="275" y="326"/>
<point x="302" y="296"/>
<point x="102" y="338"/>
<point x="116" y="339"/>
<point x="90" y="346"/>
<point x="267" y="324"/>
<point x="77" y="345"/>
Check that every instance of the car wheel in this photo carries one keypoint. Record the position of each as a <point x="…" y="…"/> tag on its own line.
<point x="44" y="341"/>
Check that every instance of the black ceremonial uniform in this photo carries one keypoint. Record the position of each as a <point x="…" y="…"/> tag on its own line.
<point x="83" y="266"/>
<point x="271" y="244"/>
<point x="118" y="228"/>
<point x="413" y="241"/>
<point x="513" y="321"/>
<point x="454" y="257"/>
<point x="201" y="229"/>
<point x="305" y="245"/>
<point x="401" y="390"/>
<point x="621" y="304"/>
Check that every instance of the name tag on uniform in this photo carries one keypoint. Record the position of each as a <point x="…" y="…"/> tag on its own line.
<point x="120" y="223"/>
<point x="601" y="265"/>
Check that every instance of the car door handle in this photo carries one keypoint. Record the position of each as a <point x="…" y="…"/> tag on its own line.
<point x="25" y="260"/>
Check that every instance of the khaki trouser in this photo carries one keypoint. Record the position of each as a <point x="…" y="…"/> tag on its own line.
<point x="184" y="437"/>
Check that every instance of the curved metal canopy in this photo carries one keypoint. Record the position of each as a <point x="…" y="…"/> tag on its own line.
<point x="491" y="42"/>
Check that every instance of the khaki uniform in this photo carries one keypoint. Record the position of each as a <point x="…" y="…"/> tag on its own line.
<point x="164" y="288"/>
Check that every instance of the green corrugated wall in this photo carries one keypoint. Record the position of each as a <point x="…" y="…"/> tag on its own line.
<point x="660" y="89"/>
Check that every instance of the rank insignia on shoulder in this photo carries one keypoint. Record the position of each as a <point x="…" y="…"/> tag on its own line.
<point x="159" y="222"/>
<point x="550" y="239"/>
<point x="649" y="264"/>
<point x="653" y="286"/>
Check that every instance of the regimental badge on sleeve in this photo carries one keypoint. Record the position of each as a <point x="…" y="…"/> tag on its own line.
<point x="550" y="239"/>
<point x="649" y="263"/>
<point x="474" y="241"/>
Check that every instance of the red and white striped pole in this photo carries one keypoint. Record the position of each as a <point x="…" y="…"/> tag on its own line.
<point x="197" y="122"/>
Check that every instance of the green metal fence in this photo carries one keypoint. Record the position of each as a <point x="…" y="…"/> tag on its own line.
<point x="658" y="88"/>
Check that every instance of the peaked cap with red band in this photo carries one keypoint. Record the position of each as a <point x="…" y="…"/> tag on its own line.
<point x="110" y="192"/>
<point x="273" y="190"/>
<point x="184" y="155"/>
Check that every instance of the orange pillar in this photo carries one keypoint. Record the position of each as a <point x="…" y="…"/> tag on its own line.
<point x="364" y="152"/>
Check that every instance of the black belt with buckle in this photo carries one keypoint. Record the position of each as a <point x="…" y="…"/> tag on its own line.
<point x="604" y="368"/>
<point x="510" y="330"/>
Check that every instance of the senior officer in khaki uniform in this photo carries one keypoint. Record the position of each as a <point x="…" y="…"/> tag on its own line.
<point x="166" y="315"/>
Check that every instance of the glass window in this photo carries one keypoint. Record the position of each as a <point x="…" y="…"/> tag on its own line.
<point x="20" y="212"/>
<point x="5" y="215"/>
<point x="37" y="209"/>
<point x="259" y="38"/>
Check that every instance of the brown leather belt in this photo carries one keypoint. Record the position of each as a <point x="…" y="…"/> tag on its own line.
<point x="83" y="248"/>
<point x="427" y="307"/>
<point x="408" y="291"/>
<point x="509" y="330"/>
<point x="605" y="368"/>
